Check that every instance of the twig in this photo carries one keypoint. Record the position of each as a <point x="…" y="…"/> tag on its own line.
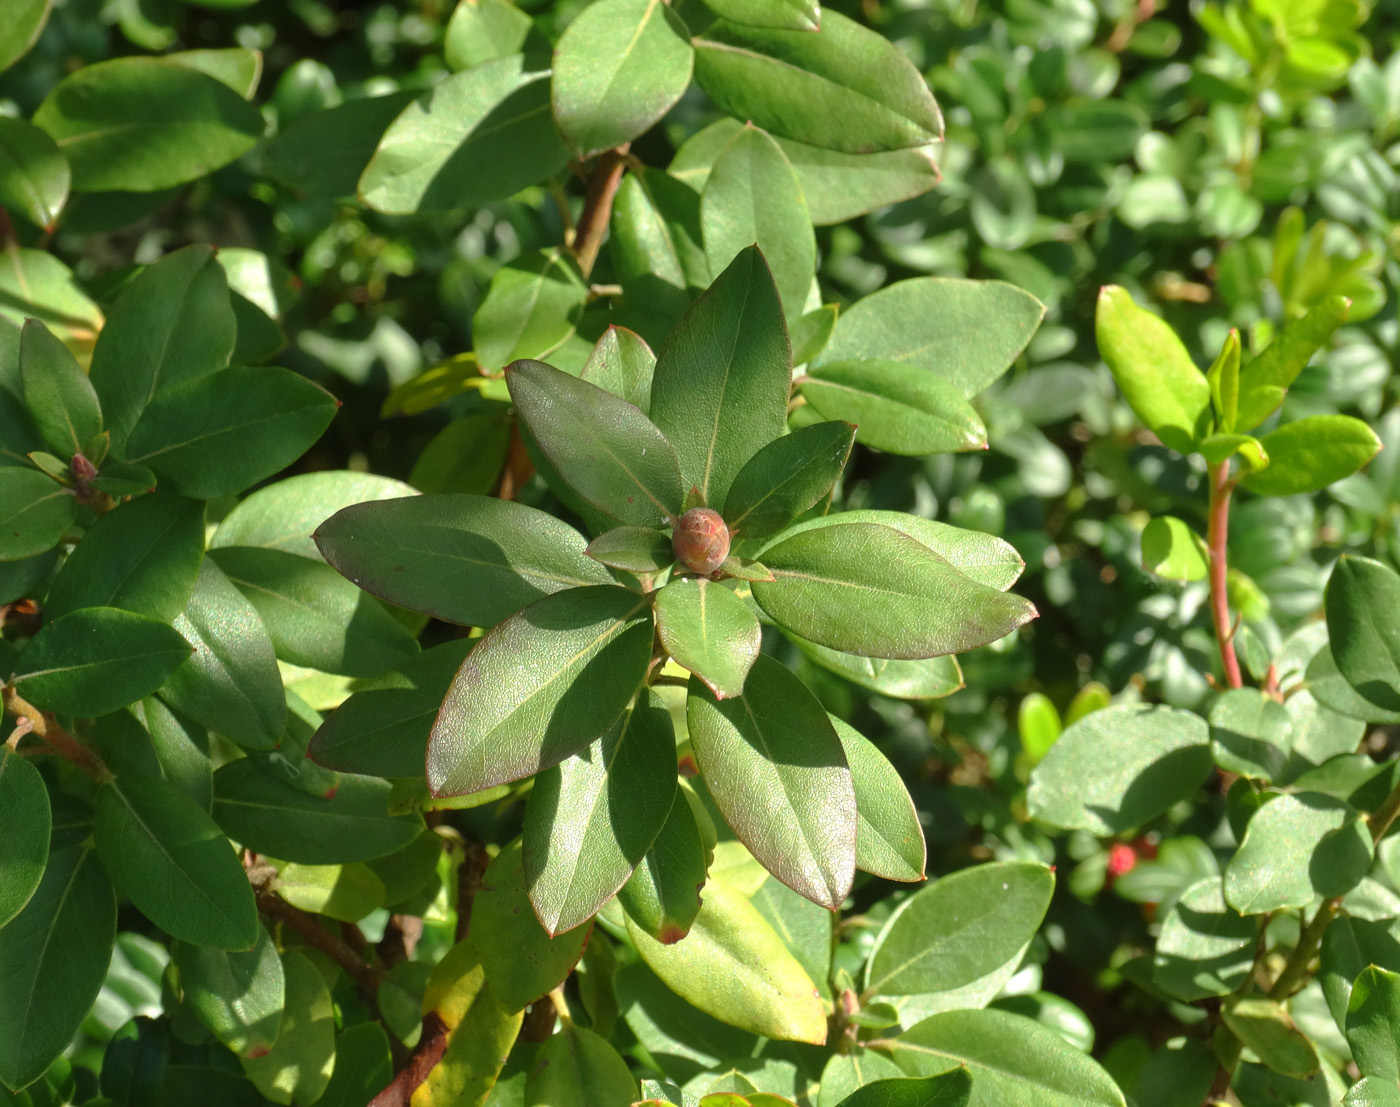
<point x="43" y="726"/>
<point x="431" y="1046"/>
<point x="1217" y="537"/>
<point x="597" y="207"/>
<point x="1306" y="949"/>
<point x="361" y="971"/>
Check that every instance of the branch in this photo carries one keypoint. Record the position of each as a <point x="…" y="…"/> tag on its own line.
<point x="431" y="1046"/>
<point x="1308" y="944"/>
<point x="597" y="207"/>
<point x="362" y="972"/>
<point x="43" y="726"/>
<point x="1217" y="536"/>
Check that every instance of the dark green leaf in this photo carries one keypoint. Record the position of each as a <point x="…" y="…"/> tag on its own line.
<point x="948" y="1089"/>
<point x="1251" y="734"/>
<point x="363" y="1066"/>
<point x="896" y="407"/>
<point x="791" y="15"/>
<point x="298" y="1067"/>
<point x="1348" y="946"/>
<point x="889" y="839"/>
<point x="622" y="363"/>
<point x="777" y="772"/>
<point x="1298" y="847"/>
<point x="57" y="392"/>
<point x="1263" y="1026"/>
<point x="1264" y="380"/>
<point x="633" y="549"/>
<point x="1363" y="609"/>
<point x="25" y="824"/>
<point x="24" y="20"/>
<point x="324" y="154"/>
<point x="613" y="455"/>
<point x="238" y="995"/>
<point x="540" y="687"/>
<point x="1373" y="1024"/>
<point x="663" y="894"/>
<point x="787" y="477"/>
<point x="707" y="629"/>
<point x="34" y="177"/>
<point x="34" y="513"/>
<point x="532" y="307"/>
<point x="1308" y="454"/>
<point x="1205" y="948"/>
<point x="576" y="1067"/>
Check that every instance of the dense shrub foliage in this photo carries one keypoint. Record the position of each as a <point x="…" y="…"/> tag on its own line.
<point x="742" y="552"/>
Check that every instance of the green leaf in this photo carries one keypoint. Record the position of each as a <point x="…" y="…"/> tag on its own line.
<point x="1373" y="1024"/>
<point x="734" y="967"/>
<point x="1296" y="848"/>
<point x="618" y="68"/>
<point x="363" y="1066"/>
<point x="25" y="823"/>
<point x="344" y="892"/>
<point x="238" y="995"/>
<point x="34" y="513"/>
<point x="622" y="363"/>
<point x="655" y="242"/>
<point x="1363" y="607"/>
<point x="1014" y="1061"/>
<point x="1265" y="379"/>
<point x="776" y="771"/>
<point x="314" y="616"/>
<point x="948" y="1089"/>
<point x="461" y="558"/>
<point x="269" y="816"/>
<point x="844" y="87"/>
<point x="811" y="332"/>
<point x="1308" y="454"/>
<point x="867" y="589"/>
<point x="231" y="683"/>
<point x="481" y="30"/>
<point x="662" y="894"/>
<point x="1262" y="1025"/>
<point x="532" y="308"/>
<point x="962" y="936"/>
<point x="479" y="136"/>
<point x="845" y="1073"/>
<point x="522" y="961"/>
<point x="239" y="67"/>
<point x="35" y="283"/>
<point x="1216" y="448"/>
<point x="889" y="838"/>
<point x="34" y="177"/>
<point x="593" y="817"/>
<point x="96" y="660"/>
<point x="1205" y="947"/>
<point x="931" y="678"/>
<point x="720" y="390"/>
<point x="57" y="392"/>
<point x="118" y="478"/>
<point x="170" y="859"/>
<point x="141" y="124"/>
<point x="786" y="478"/>
<point x="615" y="457"/>
<point x="171" y="325"/>
<point x="219" y="434"/>
<point x="143" y="556"/>
<point x="577" y="1068"/>
<point x="24" y="20"/>
<point x="1153" y="370"/>
<point x="1224" y="379"/>
<point x="896" y="407"/>
<point x="324" y="154"/>
<point x="789" y="15"/>
<point x="55" y="955"/>
<point x="752" y="196"/>
<point x="1348" y="946"/>
<point x="1115" y="769"/>
<point x="966" y="332"/>
<point x="1251" y="733"/>
<point x="633" y="549"/>
<point x="539" y="687"/>
<point x="805" y="928"/>
<point x="1038" y="725"/>
<point x="707" y="629"/>
<point x="1173" y="551"/>
<point x="298" y="1067"/>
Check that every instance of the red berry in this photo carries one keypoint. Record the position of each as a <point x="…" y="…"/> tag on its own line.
<point x="701" y="540"/>
<point x="1121" y="859"/>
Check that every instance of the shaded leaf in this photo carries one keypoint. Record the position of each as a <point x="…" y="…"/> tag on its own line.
<point x="707" y="629"/>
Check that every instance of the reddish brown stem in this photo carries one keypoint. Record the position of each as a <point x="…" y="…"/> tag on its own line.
<point x="603" y="182"/>
<point x="270" y="905"/>
<point x="43" y="726"/>
<point x="431" y="1046"/>
<point x="1217" y="536"/>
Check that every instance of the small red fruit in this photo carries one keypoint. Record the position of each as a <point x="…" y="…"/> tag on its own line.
<point x="1121" y="859"/>
<point x="701" y="540"/>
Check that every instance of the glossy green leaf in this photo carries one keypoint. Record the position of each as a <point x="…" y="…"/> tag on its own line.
<point x="35" y="283"/>
<point x="325" y="153"/>
<point x="55" y="954"/>
<point x="461" y="558"/>
<point x="171" y="325"/>
<point x="1205" y="947"/>
<point x="298" y="1067"/>
<point x="1173" y="551"/>
<point x="34" y="177"/>
<point x="539" y="687"/>
<point x="787" y="477"/>
<point x="98" y="659"/>
<point x="662" y="896"/>
<point x="1263" y="1026"/>
<point x="805" y="928"/>
<point x="811" y="332"/>
<point x="1251" y="734"/>
<point x="1297" y="847"/>
<point x="25" y="19"/>
<point x="618" y="68"/>
<point x="707" y="629"/>
<point x="34" y="513"/>
<point x="962" y="936"/>
<point x="734" y="967"/>
<point x="480" y="135"/>
<point x="239" y="67"/>
<point x="231" y="683"/>
<point x="966" y="332"/>
<point x="896" y="407"/>
<point x="776" y="770"/>
<point x="531" y="309"/>
<point x="1308" y="454"/>
<point x="1117" y="768"/>
<point x="867" y="589"/>
<point x="1216" y="448"/>
<point x="57" y="392"/>
<point x="1265" y="379"/>
<point x="752" y="196"/>
<point x="1348" y="946"/>
<point x="948" y="1089"/>
<point x="845" y="1073"/>
<point x="656" y="245"/>
<point x="269" y="816"/>
<point x="1363" y="606"/>
<point x="633" y="549"/>
<point x="790" y="15"/>
<point x="1224" y="379"/>
<point x="931" y="678"/>
<point x="720" y="389"/>
<point x="219" y="434"/>
<point x="314" y="616"/>
<point x="889" y="838"/>
<point x="144" y="556"/>
<point x="1373" y="1023"/>
<point x="363" y="1066"/>
<point x="844" y="87"/>
<point x="25" y="823"/>
<point x="238" y="995"/>
<point x="622" y="363"/>
<point x="522" y="961"/>
<point x="344" y="892"/>
<point x="140" y="124"/>
<point x="1014" y="1061"/>
<point x="593" y="817"/>
<point x="1152" y="369"/>
<point x="613" y="455"/>
<point x="481" y="30"/>
<point x="576" y="1068"/>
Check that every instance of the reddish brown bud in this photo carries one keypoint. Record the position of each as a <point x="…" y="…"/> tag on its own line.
<point x="701" y="540"/>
